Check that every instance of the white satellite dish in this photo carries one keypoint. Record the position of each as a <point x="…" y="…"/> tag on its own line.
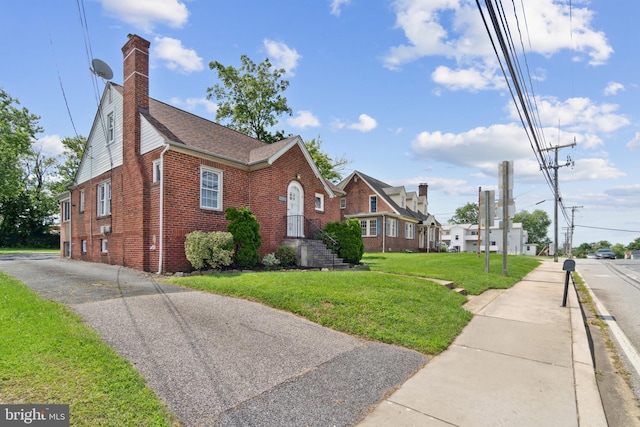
<point x="100" y="68"/>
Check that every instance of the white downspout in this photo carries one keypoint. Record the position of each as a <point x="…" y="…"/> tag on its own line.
<point x="161" y="233"/>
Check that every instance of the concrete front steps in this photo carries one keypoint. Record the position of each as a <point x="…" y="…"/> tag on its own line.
<point x="314" y="254"/>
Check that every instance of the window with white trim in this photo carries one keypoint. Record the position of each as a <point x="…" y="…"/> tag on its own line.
<point x="319" y="202"/>
<point x="392" y="227"/>
<point x="104" y="198"/>
<point x="157" y="171"/>
<point x="104" y="246"/>
<point x="83" y="246"/>
<point x="369" y="227"/>
<point x="66" y="211"/>
<point x="373" y="204"/>
<point x="343" y="202"/>
<point x="409" y="230"/>
<point x="82" y="201"/>
<point x="210" y="188"/>
<point x="110" y="128"/>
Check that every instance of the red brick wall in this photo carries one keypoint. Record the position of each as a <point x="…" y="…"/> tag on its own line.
<point x="358" y="194"/>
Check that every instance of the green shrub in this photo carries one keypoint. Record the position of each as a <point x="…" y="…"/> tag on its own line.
<point x="246" y="235"/>
<point x="286" y="255"/>
<point x="214" y="250"/>
<point x="270" y="261"/>
<point x="348" y="234"/>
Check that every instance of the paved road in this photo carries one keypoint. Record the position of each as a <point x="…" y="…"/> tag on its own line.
<point x="616" y="284"/>
<point x="222" y="361"/>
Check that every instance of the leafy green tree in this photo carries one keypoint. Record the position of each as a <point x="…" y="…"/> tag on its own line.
<point x="618" y="249"/>
<point x="582" y="250"/>
<point x="250" y="97"/>
<point x="467" y="214"/>
<point x="245" y="229"/>
<point x="635" y="245"/>
<point x="536" y="223"/>
<point x="69" y="164"/>
<point x="330" y="168"/>
<point x="18" y="128"/>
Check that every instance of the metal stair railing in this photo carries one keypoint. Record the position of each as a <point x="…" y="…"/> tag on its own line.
<point x="330" y="245"/>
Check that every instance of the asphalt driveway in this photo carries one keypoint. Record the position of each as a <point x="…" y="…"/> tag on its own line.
<point x="222" y="361"/>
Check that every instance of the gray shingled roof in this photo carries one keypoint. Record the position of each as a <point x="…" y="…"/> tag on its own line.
<point x="381" y="188"/>
<point x="182" y="127"/>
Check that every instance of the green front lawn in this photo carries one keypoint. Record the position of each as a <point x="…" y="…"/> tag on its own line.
<point x="406" y="311"/>
<point x="47" y="355"/>
<point x="465" y="269"/>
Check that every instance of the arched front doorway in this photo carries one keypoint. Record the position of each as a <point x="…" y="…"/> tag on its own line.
<point x="295" y="210"/>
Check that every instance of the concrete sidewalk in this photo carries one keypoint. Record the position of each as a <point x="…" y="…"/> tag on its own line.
<point x="524" y="360"/>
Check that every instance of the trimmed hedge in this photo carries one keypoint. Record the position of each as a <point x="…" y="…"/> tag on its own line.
<point x="348" y="234"/>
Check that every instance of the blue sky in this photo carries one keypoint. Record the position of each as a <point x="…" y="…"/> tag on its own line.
<point x="410" y="91"/>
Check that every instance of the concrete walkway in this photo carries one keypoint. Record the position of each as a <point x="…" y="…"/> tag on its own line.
<point x="524" y="360"/>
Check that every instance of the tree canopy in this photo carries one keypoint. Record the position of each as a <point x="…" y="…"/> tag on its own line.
<point x="467" y="214"/>
<point x="250" y="97"/>
<point x="536" y="223"/>
<point x="330" y="168"/>
<point x="18" y="128"/>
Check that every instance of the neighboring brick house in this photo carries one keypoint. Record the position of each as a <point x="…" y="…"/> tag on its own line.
<point x="152" y="173"/>
<point x="391" y="218"/>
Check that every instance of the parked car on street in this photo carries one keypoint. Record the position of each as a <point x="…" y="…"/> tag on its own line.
<point x="605" y="254"/>
<point x="452" y="249"/>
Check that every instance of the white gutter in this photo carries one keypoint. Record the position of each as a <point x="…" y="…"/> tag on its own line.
<point x="161" y="236"/>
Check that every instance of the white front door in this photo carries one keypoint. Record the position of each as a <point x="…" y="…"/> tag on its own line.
<point x="295" y="210"/>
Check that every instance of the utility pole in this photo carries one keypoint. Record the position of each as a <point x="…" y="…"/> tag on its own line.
<point x="573" y="214"/>
<point x="555" y="168"/>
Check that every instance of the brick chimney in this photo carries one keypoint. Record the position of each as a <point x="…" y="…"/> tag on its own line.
<point x="423" y="189"/>
<point x="135" y="200"/>
<point x="136" y="87"/>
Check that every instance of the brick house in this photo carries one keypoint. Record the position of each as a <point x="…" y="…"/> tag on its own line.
<point x="391" y="218"/>
<point x="152" y="173"/>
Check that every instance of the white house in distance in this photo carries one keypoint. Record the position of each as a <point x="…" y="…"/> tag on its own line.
<point x="468" y="238"/>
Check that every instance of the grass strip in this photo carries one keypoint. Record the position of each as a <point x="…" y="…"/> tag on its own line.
<point x="465" y="269"/>
<point x="406" y="311"/>
<point x="47" y="355"/>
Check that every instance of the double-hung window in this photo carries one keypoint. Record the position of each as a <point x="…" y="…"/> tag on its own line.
<point x="110" y="128"/>
<point x="66" y="211"/>
<point x="81" y="201"/>
<point x="104" y="198"/>
<point x="409" y="230"/>
<point x="373" y="204"/>
<point x="369" y="227"/>
<point x="210" y="188"/>
<point x="392" y="227"/>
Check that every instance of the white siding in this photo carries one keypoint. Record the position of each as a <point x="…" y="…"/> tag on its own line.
<point x="99" y="157"/>
<point x="150" y="139"/>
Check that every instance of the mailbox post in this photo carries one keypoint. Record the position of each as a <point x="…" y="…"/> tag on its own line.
<point x="569" y="265"/>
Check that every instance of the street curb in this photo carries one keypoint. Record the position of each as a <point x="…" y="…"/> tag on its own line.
<point x="588" y="400"/>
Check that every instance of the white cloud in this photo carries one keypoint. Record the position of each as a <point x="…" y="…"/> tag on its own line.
<point x="303" y="119"/>
<point x="577" y="115"/>
<point x="613" y="88"/>
<point x="425" y="23"/>
<point x="282" y="56"/>
<point x="591" y="170"/>
<point x="336" y="6"/>
<point x="470" y="79"/>
<point x="192" y="104"/>
<point x="50" y="145"/>
<point x="634" y="144"/>
<point x="145" y="14"/>
<point x="365" y="123"/>
<point x="176" y="56"/>
<point x="480" y="148"/>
